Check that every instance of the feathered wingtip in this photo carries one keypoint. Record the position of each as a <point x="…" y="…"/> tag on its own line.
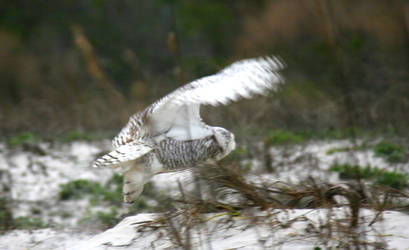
<point x="274" y="64"/>
<point x="278" y="61"/>
<point x="123" y="154"/>
<point x="242" y="79"/>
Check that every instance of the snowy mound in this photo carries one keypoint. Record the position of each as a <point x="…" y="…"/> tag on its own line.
<point x="284" y="229"/>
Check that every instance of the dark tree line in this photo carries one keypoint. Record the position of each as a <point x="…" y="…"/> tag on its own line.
<point x="86" y="65"/>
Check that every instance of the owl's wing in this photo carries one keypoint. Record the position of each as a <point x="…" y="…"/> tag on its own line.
<point x="242" y="79"/>
<point x="123" y="154"/>
<point x="177" y="115"/>
<point x="133" y="130"/>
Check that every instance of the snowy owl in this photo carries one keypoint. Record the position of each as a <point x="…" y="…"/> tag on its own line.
<point x="170" y="135"/>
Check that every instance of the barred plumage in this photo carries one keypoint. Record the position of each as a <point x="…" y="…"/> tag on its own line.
<point x="169" y="134"/>
<point x="174" y="154"/>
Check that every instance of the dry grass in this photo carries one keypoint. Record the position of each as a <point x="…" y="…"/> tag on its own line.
<point x="232" y="202"/>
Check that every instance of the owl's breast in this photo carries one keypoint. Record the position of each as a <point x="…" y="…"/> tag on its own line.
<point x="176" y="154"/>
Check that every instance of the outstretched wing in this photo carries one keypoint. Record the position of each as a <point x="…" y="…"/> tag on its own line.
<point x="178" y="114"/>
<point x="242" y="79"/>
<point x="123" y="154"/>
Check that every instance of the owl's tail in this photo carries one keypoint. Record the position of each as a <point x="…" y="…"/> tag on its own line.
<point x="134" y="180"/>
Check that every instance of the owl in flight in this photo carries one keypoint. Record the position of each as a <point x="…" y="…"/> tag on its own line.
<point x="170" y="134"/>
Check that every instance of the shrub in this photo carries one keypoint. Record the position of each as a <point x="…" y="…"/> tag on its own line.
<point x="21" y="139"/>
<point x="78" y="188"/>
<point x="393" y="179"/>
<point x="278" y="137"/>
<point x="347" y="171"/>
<point x="110" y="193"/>
<point x="379" y="176"/>
<point x="28" y="223"/>
<point x="391" y="152"/>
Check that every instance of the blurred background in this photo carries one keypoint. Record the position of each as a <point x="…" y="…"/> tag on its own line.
<point x="87" y="65"/>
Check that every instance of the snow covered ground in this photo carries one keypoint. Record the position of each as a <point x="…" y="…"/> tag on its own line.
<point x="275" y="229"/>
<point x="33" y="179"/>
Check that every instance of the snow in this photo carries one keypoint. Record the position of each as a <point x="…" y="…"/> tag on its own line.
<point x="297" y="163"/>
<point x="35" y="181"/>
<point x="276" y="229"/>
<point x="42" y="239"/>
<point x="36" y="178"/>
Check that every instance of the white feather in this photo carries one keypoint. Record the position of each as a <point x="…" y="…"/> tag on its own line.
<point x="177" y="115"/>
<point x="123" y="154"/>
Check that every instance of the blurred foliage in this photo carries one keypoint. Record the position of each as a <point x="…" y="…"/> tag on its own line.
<point x="111" y="192"/>
<point x="76" y="136"/>
<point x="362" y="146"/>
<point x="102" y="219"/>
<point x="22" y="138"/>
<point x="288" y="137"/>
<point x="28" y="223"/>
<point x="284" y="137"/>
<point x="391" y="152"/>
<point x="108" y="219"/>
<point x="81" y="136"/>
<point x="393" y="179"/>
<point x="110" y="195"/>
<point x="347" y="171"/>
<point x="87" y="65"/>
<point x="379" y="176"/>
<point x="6" y="215"/>
<point x="8" y="222"/>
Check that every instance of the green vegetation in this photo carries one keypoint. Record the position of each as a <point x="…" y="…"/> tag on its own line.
<point x="28" y="223"/>
<point x="6" y="216"/>
<point x="362" y="146"/>
<point x="337" y="150"/>
<point x="278" y="137"/>
<point x="108" y="219"/>
<point x="109" y="194"/>
<point x="283" y="137"/>
<point x="22" y="138"/>
<point x="347" y="171"/>
<point x="31" y="139"/>
<point x="101" y="219"/>
<point x="379" y="176"/>
<point x="8" y="222"/>
<point x="75" y="136"/>
<point x="77" y="189"/>
<point x="84" y="136"/>
<point x="391" y="152"/>
<point x="393" y="179"/>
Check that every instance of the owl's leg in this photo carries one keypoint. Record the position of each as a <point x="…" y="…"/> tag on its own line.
<point x="134" y="180"/>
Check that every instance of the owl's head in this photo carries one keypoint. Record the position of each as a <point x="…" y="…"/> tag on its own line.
<point x="225" y="139"/>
